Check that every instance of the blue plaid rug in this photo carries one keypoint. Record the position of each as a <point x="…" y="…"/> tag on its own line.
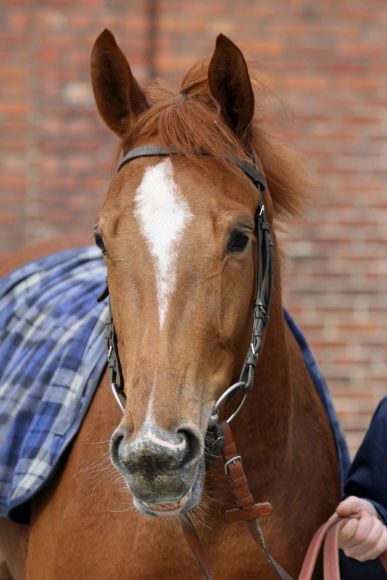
<point x="52" y="357"/>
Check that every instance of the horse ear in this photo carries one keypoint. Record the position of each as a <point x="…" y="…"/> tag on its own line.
<point x="230" y="85"/>
<point x="117" y="93"/>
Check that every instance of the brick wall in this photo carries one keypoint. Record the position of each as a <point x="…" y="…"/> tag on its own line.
<point x="327" y="60"/>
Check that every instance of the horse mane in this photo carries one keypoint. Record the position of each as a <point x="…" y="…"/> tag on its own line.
<point x="190" y="120"/>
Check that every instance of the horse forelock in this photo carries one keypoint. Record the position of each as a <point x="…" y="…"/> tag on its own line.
<point x="189" y="119"/>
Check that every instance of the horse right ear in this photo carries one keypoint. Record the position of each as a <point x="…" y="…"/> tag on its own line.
<point x="117" y="93"/>
<point x="229" y="82"/>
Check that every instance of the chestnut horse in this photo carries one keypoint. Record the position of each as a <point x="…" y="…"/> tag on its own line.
<point x="178" y="236"/>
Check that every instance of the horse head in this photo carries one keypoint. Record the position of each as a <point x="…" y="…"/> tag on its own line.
<point x="178" y="233"/>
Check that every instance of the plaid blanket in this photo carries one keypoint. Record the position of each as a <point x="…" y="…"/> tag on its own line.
<point x="52" y="357"/>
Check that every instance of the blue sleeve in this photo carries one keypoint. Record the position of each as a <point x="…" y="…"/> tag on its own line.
<point x="353" y="570"/>
<point x="367" y="476"/>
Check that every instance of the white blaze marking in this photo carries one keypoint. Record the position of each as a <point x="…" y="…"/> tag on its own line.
<point x="163" y="214"/>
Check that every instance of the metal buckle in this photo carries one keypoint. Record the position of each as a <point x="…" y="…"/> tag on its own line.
<point x="232" y="460"/>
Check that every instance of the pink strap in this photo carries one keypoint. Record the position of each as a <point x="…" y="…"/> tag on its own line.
<point x="328" y="535"/>
<point x="331" y="551"/>
<point x="314" y="549"/>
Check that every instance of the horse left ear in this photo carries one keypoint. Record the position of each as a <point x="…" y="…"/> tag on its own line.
<point x="118" y="95"/>
<point x="229" y="82"/>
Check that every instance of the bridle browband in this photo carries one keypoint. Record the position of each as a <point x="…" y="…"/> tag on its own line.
<point x="219" y="438"/>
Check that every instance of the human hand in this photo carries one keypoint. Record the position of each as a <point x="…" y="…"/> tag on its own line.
<point x="364" y="536"/>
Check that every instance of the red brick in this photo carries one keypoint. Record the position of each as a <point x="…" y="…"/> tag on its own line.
<point x="327" y="60"/>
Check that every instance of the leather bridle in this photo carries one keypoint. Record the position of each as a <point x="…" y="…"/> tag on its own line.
<point x="262" y="302"/>
<point x="219" y="438"/>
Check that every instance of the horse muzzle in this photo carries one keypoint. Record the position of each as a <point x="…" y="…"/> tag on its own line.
<point x="161" y="469"/>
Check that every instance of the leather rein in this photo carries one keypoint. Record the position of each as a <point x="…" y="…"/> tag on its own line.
<point x="219" y="437"/>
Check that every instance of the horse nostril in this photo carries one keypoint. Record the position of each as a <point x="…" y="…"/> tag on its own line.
<point x="193" y="447"/>
<point x="115" y="443"/>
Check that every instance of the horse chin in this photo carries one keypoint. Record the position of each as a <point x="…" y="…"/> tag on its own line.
<point x="187" y="502"/>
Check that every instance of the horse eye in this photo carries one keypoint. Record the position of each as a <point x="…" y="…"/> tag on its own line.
<point x="99" y="242"/>
<point x="237" y="241"/>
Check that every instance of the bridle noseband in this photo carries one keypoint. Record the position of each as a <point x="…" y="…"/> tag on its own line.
<point x="265" y="274"/>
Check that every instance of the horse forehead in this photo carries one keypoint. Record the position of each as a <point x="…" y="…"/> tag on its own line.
<point x="163" y="214"/>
